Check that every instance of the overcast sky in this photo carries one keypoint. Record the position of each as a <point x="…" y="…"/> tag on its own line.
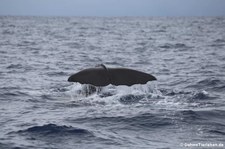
<point x="113" y="7"/>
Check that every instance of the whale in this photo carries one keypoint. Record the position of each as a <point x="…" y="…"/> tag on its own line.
<point x="101" y="76"/>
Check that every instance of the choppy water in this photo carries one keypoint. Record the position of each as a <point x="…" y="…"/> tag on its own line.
<point x="40" y="109"/>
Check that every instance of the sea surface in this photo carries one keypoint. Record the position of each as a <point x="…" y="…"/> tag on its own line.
<point x="184" y="108"/>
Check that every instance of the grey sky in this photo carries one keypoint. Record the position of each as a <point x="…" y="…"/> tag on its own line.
<point x="113" y="7"/>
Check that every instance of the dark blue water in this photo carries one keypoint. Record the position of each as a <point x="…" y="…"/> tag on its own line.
<point x="40" y="109"/>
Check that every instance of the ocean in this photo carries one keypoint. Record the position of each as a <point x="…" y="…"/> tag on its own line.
<point x="184" y="108"/>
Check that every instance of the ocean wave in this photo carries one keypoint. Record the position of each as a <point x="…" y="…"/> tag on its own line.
<point x="8" y="32"/>
<point x="188" y="99"/>
<point x="202" y="117"/>
<point x="6" y="146"/>
<point x="190" y="96"/>
<point x="218" y="132"/>
<point x="160" y="31"/>
<point x="130" y="99"/>
<point x="201" y="95"/>
<point x="110" y="90"/>
<point x="150" y="121"/>
<point x="113" y="95"/>
<point x="173" y="46"/>
<point x="169" y="92"/>
<point x="12" y="95"/>
<point x="53" y="129"/>
<point x="15" y="66"/>
<point x="215" y="84"/>
<point x="50" y="136"/>
<point x="189" y="115"/>
<point x="220" y="88"/>
<point x="145" y="120"/>
<point x="51" y="74"/>
<point x="210" y="82"/>
<point x="142" y="95"/>
<point x="219" y="41"/>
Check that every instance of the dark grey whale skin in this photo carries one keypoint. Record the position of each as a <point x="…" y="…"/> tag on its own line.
<point x="102" y="76"/>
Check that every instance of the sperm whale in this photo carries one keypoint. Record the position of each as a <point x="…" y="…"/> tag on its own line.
<point x="102" y="76"/>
